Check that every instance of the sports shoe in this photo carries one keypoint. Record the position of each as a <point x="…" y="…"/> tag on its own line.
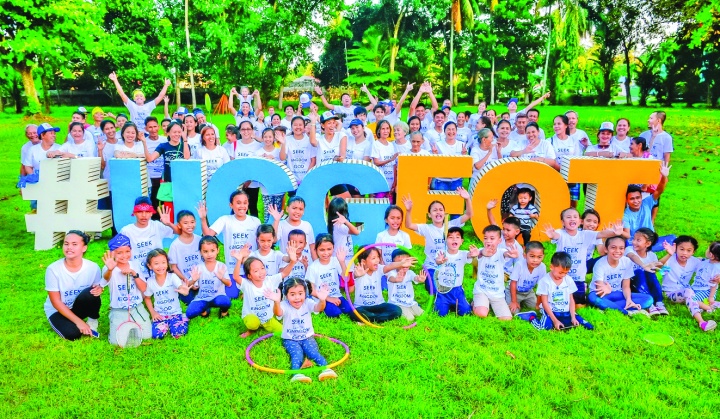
<point x="653" y="311"/>
<point x="328" y="374"/>
<point x="93" y="323"/>
<point x="636" y="312"/>
<point x="708" y="325"/>
<point x="715" y="305"/>
<point x="661" y="309"/>
<point x="301" y="378"/>
<point x="528" y="316"/>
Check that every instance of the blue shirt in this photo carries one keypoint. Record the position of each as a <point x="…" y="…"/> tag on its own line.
<point x="635" y="220"/>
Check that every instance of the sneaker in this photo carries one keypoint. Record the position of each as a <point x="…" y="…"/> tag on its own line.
<point x="661" y="309"/>
<point x="93" y="323"/>
<point x="301" y="378"/>
<point x="636" y="312"/>
<point x="528" y="316"/>
<point x="328" y="374"/>
<point x="653" y="311"/>
<point x="708" y="325"/>
<point x="715" y="305"/>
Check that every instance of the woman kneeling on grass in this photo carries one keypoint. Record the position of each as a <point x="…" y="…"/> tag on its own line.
<point x="72" y="284"/>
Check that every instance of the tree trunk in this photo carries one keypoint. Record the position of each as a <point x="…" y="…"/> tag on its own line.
<point x="452" y="36"/>
<point x="187" y="39"/>
<point x="46" y="92"/>
<point x="15" y="93"/>
<point x="394" y="48"/>
<point x="547" y="52"/>
<point x="492" y="82"/>
<point x="2" y="104"/>
<point x="178" y="101"/>
<point x="628" y="76"/>
<point x="29" y="86"/>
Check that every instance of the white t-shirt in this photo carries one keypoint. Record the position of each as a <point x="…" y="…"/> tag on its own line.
<point x="434" y="240"/>
<point x="649" y="257"/>
<point x="143" y="240"/>
<point x="558" y="295"/>
<point x="155" y="167"/>
<point x="576" y="246"/>
<point x="107" y="154"/>
<point x="525" y="279"/>
<point x="139" y="113"/>
<point x="517" y="137"/>
<point x="359" y="151"/>
<point x="185" y="256"/>
<point x="402" y="293"/>
<point x="567" y="147"/>
<point x="511" y="262"/>
<point x="579" y="135"/>
<point x="254" y="302"/>
<point x="403" y="148"/>
<point x="400" y="239"/>
<point x="509" y="148"/>
<point x="25" y="154"/>
<point x="69" y="284"/>
<point x="433" y="137"/>
<point x="349" y="113"/>
<point x="368" y="289"/>
<point x="342" y="237"/>
<point x="446" y="149"/>
<point x="464" y="135"/>
<point x="246" y="149"/>
<point x="297" y="322"/>
<point x="490" y="276"/>
<point x="603" y="272"/>
<point x="120" y="293"/>
<point x="284" y="228"/>
<point x="623" y="146"/>
<point x="275" y="153"/>
<point x="678" y="278"/>
<point x="705" y="273"/>
<point x="458" y="261"/>
<point x="194" y="145"/>
<point x="592" y="148"/>
<point x="478" y="154"/>
<point x="299" y="155"/>
<point x="84" y="149"/>
<point x="166" y="301"/>
<point x="544" y="149"/>
<point x="272" y="261"/>
<point x="328" y="150"/>
<point x="663" y="143"/>
<point x="385" y="152"/>
<point x="213" y="159"/>
<point x="137" y="148"/>
<point x="235" y="234"/>
<point x="427" y="124"/>
<point x="209" y="284"/>
<point x="319" y="274"/>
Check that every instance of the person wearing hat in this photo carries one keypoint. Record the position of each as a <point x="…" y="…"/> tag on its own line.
<point x="125" y="276"/>
<point x="139" y="110"/>
<point x="202" y="120"/>
<point x="80" y="116"/>
<point x="332" y="146"/>
<point x="359" y="147"/>
<point x="360" y="113"/>
<point x="512" y="106"/>
<point x="98" y="116"/>
<point x="73" y="286"/>
<point x="604" y="147"/>
<point x="450" y="115"/>
<point x="39" y="152"/>
<point x="146" y="234"/>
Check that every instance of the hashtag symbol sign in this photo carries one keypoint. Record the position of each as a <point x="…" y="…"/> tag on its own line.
<point x="67" y="195"/>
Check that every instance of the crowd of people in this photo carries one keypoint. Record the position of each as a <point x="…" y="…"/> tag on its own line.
<point x="282" y="270"/>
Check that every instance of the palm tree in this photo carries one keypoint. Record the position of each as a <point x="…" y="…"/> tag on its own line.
<point x="462" y="12"/>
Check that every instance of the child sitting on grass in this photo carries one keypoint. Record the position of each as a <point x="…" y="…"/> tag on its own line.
<point x="489" y="287"/>
<point x="400" y="287"/>
<point x="525" y="275"/>
<point x="556" y="291"/>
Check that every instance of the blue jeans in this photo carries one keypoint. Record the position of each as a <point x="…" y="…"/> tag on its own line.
<point x="299" y="349"/>
<point x="444" y="185"/>
<point x="331" y="310"/>
<point x="187" y="299"/>
<point x="579" y="296"/>
<point x="198" y="307"/>
<point x="647" y="283"/>
<point x="378" y="313"/>
<point x="545" y="323"/>
<point x="616" y="301"/>
<point x="232" y="291"/>
<point x="455" y="299"/>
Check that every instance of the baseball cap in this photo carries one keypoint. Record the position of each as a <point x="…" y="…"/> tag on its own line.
<point x="356" y="122"/>
<point x="82" y="110"/>
<point x="512" y="99"/>
<point x="444" y="107"/>
<point x="359" y="110"/>
<point x="45" y="127"/>
<point x="305" y="99"/>
<point x="182" y="111"/>
<point x="96" y="110"/>
<point x="607" y="126"/>
<point x="143" y="203"/>
<point x="328" y="115"/>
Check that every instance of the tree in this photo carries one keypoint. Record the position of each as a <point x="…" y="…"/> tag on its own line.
<point x="461" y="15"/>
<point x="59" y="31"/>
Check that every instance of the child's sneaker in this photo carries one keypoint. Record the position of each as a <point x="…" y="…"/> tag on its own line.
<point x="301" y="378"/>
<point x="93" y="323"/>
<point x="328" y="374"/>
<point x="528" y="316"/>
<point x="636" y="312"/>
<point x="708" y="325"/>
<point x="653" y="311"/>
<point x="661" y="309"/>
<point x="715" y="305"/>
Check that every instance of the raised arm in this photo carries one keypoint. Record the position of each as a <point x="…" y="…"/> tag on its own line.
<point x="433" y="100"/>
<point x="408" y="89"/>
<point x="258" y="102"/>
<point x="163" y="92"/>
<point x="232" y="110"/>
<point x="312" y="134"/>
<point x="320" y="93"/>
<point x="371" y="98"/>
<point x="491" y="217"/>
<point x="416" y="99"/>
<point x="664" y="172"/>
<point x="407" y="202"/>
<point x="115" y="81"/>
<point x="536" y="102"/>
<point x="468" y="205"/>
<point x="166" y="109"/>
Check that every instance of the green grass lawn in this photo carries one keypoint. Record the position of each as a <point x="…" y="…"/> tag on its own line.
<point x="445" y="367"/>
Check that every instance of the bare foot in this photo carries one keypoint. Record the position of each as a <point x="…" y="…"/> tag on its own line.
<point x="306" y="364"/>
<point x="246" y="334"/>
